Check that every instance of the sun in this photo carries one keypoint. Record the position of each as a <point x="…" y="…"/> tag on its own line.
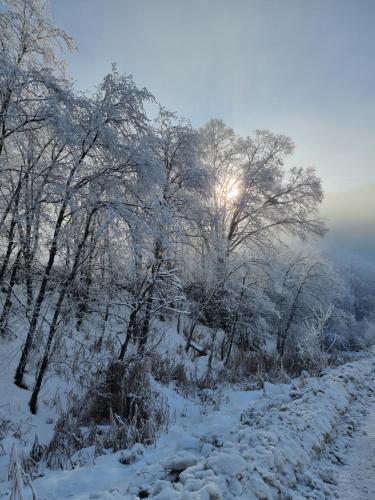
<point x="233" y="193"/>
<point x="232" y="189"/>
<point x="228" y="192"/>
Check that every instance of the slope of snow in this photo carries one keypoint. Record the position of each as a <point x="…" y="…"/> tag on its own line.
<point x="22" y="426"/>
<point x="197" y="431"/>
<point x="257" y="445"/>
<point x="269" y="453"/>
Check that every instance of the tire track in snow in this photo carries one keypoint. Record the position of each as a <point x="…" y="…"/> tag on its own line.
<point x="356" y="480"/>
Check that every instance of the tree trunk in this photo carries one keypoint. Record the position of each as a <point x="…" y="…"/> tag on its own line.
<point x="54" y="323"/>
<point x="43" y="367"/>
<point x="18" y="379"/>
<point x="9" y="250"/>
<point x="158" y="255"/>
<point x="146" y="321"/>
<point x="8" y="299"/>
<point x="11" y="232"/>
<point x="132" y="325"/>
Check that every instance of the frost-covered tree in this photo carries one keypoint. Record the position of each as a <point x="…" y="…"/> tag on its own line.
<point x="308" y="287"/>
<point x="253" y="197"/>
<point x="113" y="223"/>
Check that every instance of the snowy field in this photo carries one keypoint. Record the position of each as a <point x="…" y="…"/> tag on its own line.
<point x="283" y="442"/>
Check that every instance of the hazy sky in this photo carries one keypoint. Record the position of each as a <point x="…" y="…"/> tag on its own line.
<point x="304" y="68"/>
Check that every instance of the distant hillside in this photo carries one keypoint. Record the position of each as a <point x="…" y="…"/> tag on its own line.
<point x="351" y="219"/>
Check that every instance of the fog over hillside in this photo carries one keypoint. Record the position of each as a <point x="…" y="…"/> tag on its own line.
<point x="351" y="220"/>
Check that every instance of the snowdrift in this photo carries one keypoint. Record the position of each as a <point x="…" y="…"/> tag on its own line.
<point x="256" y="446"/>
<point x="270" y="451"/>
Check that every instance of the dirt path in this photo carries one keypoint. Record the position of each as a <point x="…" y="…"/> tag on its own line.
<point x="356" y="480"/>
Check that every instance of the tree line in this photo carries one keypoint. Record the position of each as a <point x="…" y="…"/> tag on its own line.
<point x="132" y="218"/>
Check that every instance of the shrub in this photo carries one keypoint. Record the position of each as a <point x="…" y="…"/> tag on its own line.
<point x="121" y="408"/>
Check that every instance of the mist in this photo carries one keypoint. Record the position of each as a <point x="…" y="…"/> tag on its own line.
<point x="351" y="222"/>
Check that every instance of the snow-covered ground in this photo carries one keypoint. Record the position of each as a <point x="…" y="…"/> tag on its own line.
<point x="277" y="443"/>
<point x="348" y="463"/>
<point x="356" y="479"/>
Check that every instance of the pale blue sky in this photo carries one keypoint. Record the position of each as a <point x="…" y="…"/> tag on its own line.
<point x="305" y="68"/>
